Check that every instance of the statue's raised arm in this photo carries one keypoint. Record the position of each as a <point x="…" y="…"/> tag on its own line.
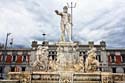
<point x="58" y="13"/>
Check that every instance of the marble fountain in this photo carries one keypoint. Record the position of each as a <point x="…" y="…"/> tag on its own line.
<point x="69" y="66"/>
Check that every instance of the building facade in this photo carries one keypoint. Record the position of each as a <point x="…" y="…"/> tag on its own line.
<point x="116" y="60"/>
<point x="14" y="60"/>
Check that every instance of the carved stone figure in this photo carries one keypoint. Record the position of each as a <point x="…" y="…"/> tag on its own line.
<point x="41" y="58"/>
<point x="91" y="63"/>
<point x="52" y="66"/>
<point x="65" y="24"/>
<point x="79" y="67"/>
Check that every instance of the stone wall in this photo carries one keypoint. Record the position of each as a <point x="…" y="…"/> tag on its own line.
<point x="67" y="77"/>
<point x="9" y="81"/>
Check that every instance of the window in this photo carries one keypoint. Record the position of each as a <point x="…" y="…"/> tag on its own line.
<point x="23" y="68"/>
<point x="52" y="52"/>
<point x="49" y="52"/>
<point x="98" y="58"/>
<point x="14" y="58"/>
<point x="3" y="56"/>
<point x="124" y="70"/>
<point x="123" y="57"/>
<point x="1" y="69"/>
<point x="100" y="69"/>
<point x="25" y="53"/>
<point x="113" y="58"/>
<point x="24" y="58"/>
<point x="14" y="53"/>
<point x="12" y="69"/>
<point x="113" y="70"/>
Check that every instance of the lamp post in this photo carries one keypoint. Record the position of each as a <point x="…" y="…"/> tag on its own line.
<point x="44" y="38"/>
<point x="5" y="52"/>
<point x="44" y="34"/>
<point x="11" y="42"/>
<point x="7" y="40"/>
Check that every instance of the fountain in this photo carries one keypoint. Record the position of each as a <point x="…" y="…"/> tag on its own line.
<point x="69" y="66"/>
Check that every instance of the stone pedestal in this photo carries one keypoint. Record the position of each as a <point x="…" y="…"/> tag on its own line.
<point x="67" y="55"/>
<point x="66" y="77"/>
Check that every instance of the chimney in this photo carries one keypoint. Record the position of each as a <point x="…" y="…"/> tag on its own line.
<point x="103" y="44"/>
<point x="91" y="44"/>
<point x="34" y="44"/>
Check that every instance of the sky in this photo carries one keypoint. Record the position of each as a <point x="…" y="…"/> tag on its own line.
<point x="93" y="20"/>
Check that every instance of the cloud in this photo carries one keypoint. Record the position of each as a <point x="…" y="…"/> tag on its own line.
<point x="94" y="20"/>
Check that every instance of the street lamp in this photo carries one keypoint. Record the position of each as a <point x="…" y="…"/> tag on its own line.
<point x="11" y="42"/>
<point x="7" y="40"/>
<point x="5" y="52"/>
<point x="44" y="34"/>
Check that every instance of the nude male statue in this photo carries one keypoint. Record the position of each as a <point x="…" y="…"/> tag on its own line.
<point x="65" y="24"/>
